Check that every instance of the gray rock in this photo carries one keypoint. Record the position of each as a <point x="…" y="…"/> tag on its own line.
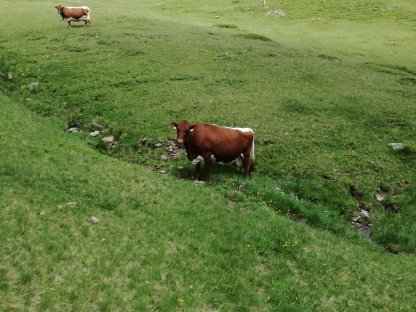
<point x="397" y="146"/>
<point x="94" y="133"/>
<point x="158" y="144"/>
<point x="164" y="157"/>
<point x="10" y="76"/>
<point x="275" y="13"/>
<point x="364" y="215"/>
<point x="108" y="139"/>
<point x="32" y="87"/>
<point x="357" y="225"/>
<point x="93" y="220"/>
<point x="73" y="130"/>
<point x="379" y="197"/>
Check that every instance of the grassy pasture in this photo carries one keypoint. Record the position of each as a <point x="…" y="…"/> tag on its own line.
<point x="156" y="250"/>
<point x="326" y="88"/>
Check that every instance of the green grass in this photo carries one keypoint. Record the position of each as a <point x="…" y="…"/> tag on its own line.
<point x="326" y="88"/>
<point x="331" y="115"/>
<point x="163" y="243"/>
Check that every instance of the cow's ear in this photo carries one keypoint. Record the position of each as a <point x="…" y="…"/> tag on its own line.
<point x="174" y="125"/>
<point x="191" y="127"/>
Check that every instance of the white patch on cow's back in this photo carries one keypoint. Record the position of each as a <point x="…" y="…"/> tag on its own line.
<point x="79" y="7"/>
<point x="198" y="160"/>
<point x="241" y="129"/>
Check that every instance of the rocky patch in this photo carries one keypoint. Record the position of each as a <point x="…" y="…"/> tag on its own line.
<point x="362" y="222"/>
<point x="382" y="197"/>
<point x="93" y="220"/>
<point x="171" y="148"/>
<point x="275" y="13"/>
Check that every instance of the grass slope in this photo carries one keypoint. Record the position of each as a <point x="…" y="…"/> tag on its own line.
<point x="326" y="88"/>
<point x="330" y="116"/>
<point x="154" y="249"/>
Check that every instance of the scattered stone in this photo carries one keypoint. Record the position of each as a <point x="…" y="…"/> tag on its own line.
<point x="162" y="171"/>
<point x="73" y="129"/>
<point x="93" y="220"/>
<point x="144" y="140"/>
<point x="397" y="146"/>
<point x="357" y="225"/>
<point x="108" y="139"/>
<point x="164" y="157"/>
<point x="10" y="76"/>
<point x="32" y="87"/>
<point x="199" y="182"/>
<point x="158" y="144"/>
<point x="364" y="215"/>
<point x="380" y="197"/>
<point x="172" y="149"/>
<point x="362" y="222"/>
<point x="94" y="133"/>
<point x="275" y="13"/>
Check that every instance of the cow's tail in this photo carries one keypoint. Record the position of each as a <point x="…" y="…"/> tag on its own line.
<point x="252" y="157"/>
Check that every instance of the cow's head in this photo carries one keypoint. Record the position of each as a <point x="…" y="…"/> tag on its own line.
<point x="182" y="130"/>
<point x="59" y="8"/>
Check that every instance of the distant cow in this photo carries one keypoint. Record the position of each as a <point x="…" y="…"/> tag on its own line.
<point x="205" y="142"/>
<point x="75" y="14"/>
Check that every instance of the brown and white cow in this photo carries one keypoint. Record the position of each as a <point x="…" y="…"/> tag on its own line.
<point x="205" y="142"/>
<point x="75" y="14"/>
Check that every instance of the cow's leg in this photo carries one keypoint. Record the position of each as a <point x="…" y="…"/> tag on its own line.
<point x="197" y="171"/>
<point x="207" y="163"/>
<point x="197" y="162"/>
<point x="246" y="164"/>
<point x="69" y="24"/>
